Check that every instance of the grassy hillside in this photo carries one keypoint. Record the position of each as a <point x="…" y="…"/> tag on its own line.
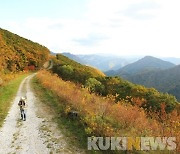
<point x="165" y="80"/>
<point x="70" y="70"/>
<point x="122" y="90"/>
<point x="100" y="61"/>
<point x="74" y="57"/>
<point x="100" y="116"/>
<point x="7" y="92"/>
<point x="145" y="64"/>
<point x="18" y="53"/>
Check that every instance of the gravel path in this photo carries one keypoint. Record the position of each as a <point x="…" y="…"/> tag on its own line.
<point x="36" y="135"/>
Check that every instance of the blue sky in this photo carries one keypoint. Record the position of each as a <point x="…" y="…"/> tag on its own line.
<point x="23" y="9"/>
<point x="119" y="27"/>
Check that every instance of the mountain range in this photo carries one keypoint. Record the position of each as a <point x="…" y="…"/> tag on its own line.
<point x="148" y="71"/>
<point x="172" y="60"/>
<point x="152" y="72"/>
<point x="17" y="53"/>
<point x="101" y="61"/>
<point x="167" y="80"/>
<point x="111" y="63"/>
<point x="83" y="97"/>
<point x="146" y="64"/>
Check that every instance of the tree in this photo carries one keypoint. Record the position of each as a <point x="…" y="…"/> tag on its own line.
<point x="95" y="86"/>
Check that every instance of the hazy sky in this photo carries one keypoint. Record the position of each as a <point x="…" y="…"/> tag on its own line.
<point x="122" y="27"/>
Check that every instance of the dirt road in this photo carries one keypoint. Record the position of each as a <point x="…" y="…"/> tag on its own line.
<point x="36" y="135"/>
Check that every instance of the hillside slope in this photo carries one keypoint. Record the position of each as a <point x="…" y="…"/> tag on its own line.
<point x="101" y="62"/>
<point x="39" y="133"/>
<point x="17" y="53"/>
<point x="145" y="64"/>
<point x="97" y="82"/>
<point x="104" y="62"/>
<point x="74" y="57"/>
<point x="164" y="80"/>
<point x="71" y="70"/>
<point x="172" y="60"/>
<point x="101" y="116"/>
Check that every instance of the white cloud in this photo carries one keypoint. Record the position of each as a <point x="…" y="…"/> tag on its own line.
<point x="122" y="27"/>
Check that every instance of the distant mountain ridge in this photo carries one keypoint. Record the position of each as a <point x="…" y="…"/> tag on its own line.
<point x="152" y="72"/>
<point x="172" y="60"/>
<point x="104" y="62"/>
<point x="96" y="81"/>
<point x="165" y="80"/>
<point x="101" y="62"/>
<point x="69" y="69"/>
<point x="111" y="64"/>
<point x="52" y="53"/>
<point x="74" y="57"/>
<point x="148" y="63"/>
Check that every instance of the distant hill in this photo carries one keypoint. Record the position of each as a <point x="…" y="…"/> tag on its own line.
<point x="165" y="80"/>
<point x="101" y="62"/>
<point x="74" y="57"/>
<point x="17" y="53"/>
<point x="110" y="64"/>
<point x="96" y="81"/>
<point x="52" y="53"/>
<point x="152" y="72"/>
<point x="104" y="62"/>
<point x="145" y="64"/>
<point x="111" y="73"/>
<point x="69" y="69"/>
<point x="172" y="60"/>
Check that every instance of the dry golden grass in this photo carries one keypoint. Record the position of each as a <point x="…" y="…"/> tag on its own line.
<point x="7" y="92"/>
<point x="5" y="78"/>
<point x="103" y="117"/>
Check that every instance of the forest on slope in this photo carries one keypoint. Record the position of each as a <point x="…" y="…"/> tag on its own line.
<point x="152" y="73"/>
<point x="122" y="90"/>
<point x="106" y="105"/>
<point x="95" y="115"/>
<point x="18" y="53"/>
<point x="165" y="80"/>
<point x="101" y="61"/>
<point x="146" y="64"/>
<point x="70" y="70"/>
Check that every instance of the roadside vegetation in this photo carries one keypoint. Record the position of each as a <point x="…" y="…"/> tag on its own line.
<point x="104" y="106"/>
<point x="149" y="99"/>
<point x="103" y="116"/>
<point x="18" y="53"/>
<point x="8" y="88"/>
<point x="73" y="71"/>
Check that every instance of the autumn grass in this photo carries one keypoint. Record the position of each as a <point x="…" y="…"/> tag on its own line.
<point x="7" y="93"/>
<point x="100" y="116"/>
<point x="72" y="129"/>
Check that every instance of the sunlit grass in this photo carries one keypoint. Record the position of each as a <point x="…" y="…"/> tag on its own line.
<point x="7" y="93"/>
<point x="101" y="116"/>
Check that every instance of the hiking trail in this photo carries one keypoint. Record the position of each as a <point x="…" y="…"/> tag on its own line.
<point x="38" y="134"/>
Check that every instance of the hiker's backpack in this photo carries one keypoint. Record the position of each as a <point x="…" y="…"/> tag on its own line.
<point x="21" y="103"/>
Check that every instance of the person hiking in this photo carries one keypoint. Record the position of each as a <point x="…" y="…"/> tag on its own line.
<point x="22" y="106"/>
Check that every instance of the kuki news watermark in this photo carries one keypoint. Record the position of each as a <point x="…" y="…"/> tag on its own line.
<point x="132" y="143"/>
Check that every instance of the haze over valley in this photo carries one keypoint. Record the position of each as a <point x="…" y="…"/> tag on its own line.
<point x="89" y="76"/>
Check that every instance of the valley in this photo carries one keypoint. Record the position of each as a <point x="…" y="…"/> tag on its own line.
<point x="69" y="100"/>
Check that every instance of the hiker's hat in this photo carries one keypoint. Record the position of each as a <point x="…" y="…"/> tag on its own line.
<point x="23" y="98"/>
